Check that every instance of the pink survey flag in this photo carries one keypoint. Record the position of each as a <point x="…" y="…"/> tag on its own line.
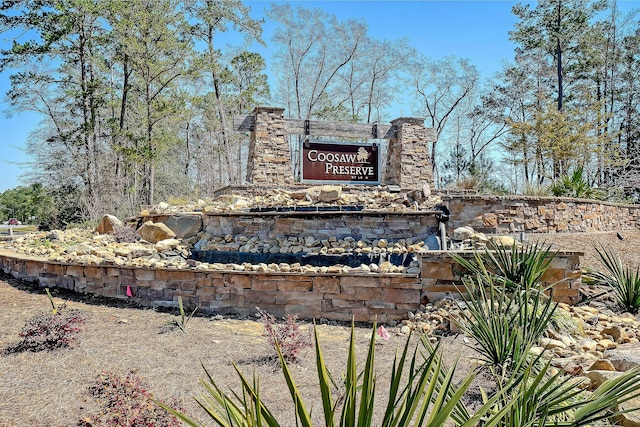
<point x="383" y="333"/>
<point x="129" y="293"/>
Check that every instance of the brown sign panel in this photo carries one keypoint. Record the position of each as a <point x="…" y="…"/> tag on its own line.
<point x="342" y="162"/>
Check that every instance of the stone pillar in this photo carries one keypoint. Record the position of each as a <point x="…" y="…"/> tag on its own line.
<point x="269" y="160"/>
<point x="408" y="159"/>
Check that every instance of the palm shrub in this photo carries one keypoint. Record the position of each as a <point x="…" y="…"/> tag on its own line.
<point x="575" y="185"/>
<point x="427" y="396"/>
<point x="623" y="280"/>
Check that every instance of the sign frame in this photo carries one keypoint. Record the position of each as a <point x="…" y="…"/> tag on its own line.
<point x="307" y="146"/>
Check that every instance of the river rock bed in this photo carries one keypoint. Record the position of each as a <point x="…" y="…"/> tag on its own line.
<point x="590" y="341"/>
<point x="86" y="247"/>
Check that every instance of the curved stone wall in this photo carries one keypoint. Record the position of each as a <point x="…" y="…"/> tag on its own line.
<point x="509" y="214"/>
<point x="363" y="297"/>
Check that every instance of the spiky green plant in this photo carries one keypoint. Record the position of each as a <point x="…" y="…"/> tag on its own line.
<point x="426" y="397"/>
<point x="182" y="319"/>
<point x="511" y="266"/>
<point x="623" y="280"/>
<point x="504" y="325"/>
<point x="575" y="185"/>
<point x="538" y="397"/>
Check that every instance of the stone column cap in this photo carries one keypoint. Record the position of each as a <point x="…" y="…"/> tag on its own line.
<point x="402" y="120"/>
<point x="264" y="108"/>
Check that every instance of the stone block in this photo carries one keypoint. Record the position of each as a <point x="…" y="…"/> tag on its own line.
<point x="258" y="297"/>
<point x="33" y="268"/>
<point x="175" y="275"/>
<point x="553" y="275"/>
<point x="93" y="272"/>
<point x="295" y="286"/>
<point x="187" y="285"/>
<point x="184" y="226"/>
<point x="143" y="274"/>
<point x="264" y="285"/>
<point x="401" y="295"/>
<point x="437" y="270"/>
<point x="238" y="281"/>
<point x="366" y="294"/>
<point x="57" y="269"/>
<point x="348" y="282"/>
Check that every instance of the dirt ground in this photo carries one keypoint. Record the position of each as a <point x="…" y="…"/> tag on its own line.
<point x="51" y="388"/>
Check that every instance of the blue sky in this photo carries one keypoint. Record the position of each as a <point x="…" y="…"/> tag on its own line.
<point x="477" y="30"/>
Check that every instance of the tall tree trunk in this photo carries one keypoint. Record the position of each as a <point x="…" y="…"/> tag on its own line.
<point x="559" y="55"/>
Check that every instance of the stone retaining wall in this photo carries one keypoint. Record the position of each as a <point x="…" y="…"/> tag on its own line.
<point x="322" y="225"/>
<point x="508" y="214"/>
<point x="335" y="297"/>
<point x="440" y="275"/>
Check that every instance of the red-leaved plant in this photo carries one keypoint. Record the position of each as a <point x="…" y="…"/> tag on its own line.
<point x="289" y="337"/>
<point x="50" y="331"/>
<point x="125" y="402"/>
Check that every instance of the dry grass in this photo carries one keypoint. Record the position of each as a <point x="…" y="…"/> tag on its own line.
<point x="50" y="388"/>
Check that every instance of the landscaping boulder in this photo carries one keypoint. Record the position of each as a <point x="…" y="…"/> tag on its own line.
<point x="599" y="377"/>
<point x="108" y="224"/>
<point x="167" y="245"/>
<point x="153" y="232"/>
<point x="629" y="419"/>
<point x="463" y="233"/>
<point x="503" y="241"/>
<point x="184" y="226"/>
<point x="330" y="193"/>
<point x="624" y="357"/>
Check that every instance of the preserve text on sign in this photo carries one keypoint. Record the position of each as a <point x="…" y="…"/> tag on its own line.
<point x="351" y="163"/>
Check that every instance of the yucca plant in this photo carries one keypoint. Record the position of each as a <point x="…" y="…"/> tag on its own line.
<point x="426" y="397"/>
<point x="181" y="320"/>
<point x="511" y="266"/>
<point x="538" y="398"/>
<point x="623" y="280"/>
<point x="504" y="325"/>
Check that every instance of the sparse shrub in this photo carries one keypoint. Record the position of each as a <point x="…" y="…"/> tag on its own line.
<point x="50" y="331"/>
<point x="288" y="337"/>
<point x="181" y="321"/>
<point x="125" y="402"/>
<point x="124" y="234"/>
<point x="507" y="310"/>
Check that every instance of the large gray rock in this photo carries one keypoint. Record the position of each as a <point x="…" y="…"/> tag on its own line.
<point x="153" y="232"/>
<point x="184" y="226"/>
<point x="624" y="357"/>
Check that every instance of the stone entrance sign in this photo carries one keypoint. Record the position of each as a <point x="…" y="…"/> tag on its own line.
<point x="340" y="162"/>
<point x="407" y="163"/>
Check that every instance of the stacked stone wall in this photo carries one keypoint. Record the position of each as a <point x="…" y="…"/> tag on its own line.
<point x="493" y="214"/>
<point x="363" y="297"/>
<point x="361" y="225"/>
<point x="440" y="275"/>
